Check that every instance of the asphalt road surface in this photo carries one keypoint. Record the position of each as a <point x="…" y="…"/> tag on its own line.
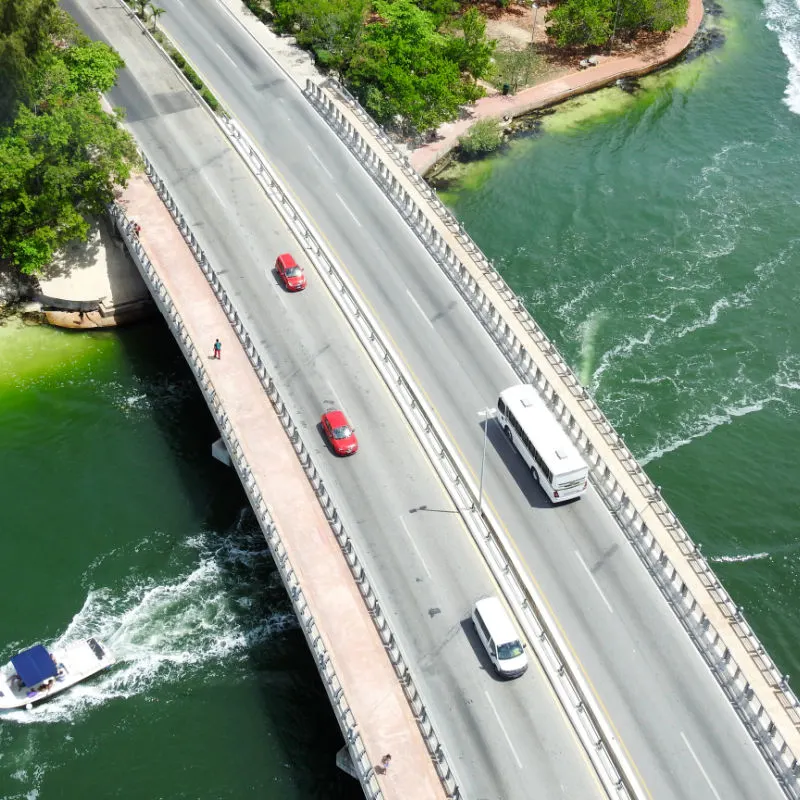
<point x="505" y="739"/>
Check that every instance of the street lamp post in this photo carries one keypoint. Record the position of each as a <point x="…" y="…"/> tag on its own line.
<point x="487" y="415"/>
<point x="533" y="29"/>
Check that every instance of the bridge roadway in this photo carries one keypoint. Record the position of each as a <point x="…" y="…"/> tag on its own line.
<point x="505" y="739"/>
<point x="682" y="735"/>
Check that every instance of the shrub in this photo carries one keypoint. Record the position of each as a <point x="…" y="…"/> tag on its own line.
<point x="193" y="77"/>
<point x="178" y="59"/>
<point x="212" y="101"/>
<point x="483" y="137"/>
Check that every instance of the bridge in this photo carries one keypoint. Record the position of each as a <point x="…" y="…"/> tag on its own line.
<point x="648" y="681"/>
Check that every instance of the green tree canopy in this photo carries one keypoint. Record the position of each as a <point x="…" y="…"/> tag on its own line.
<point x="402" y="72"/>
<point x="472" y="51"/>
<point x="330" y="28"/>
<point x="25" y="27"/>
<point x="595" y="22"/>
<point x="61" y="155"/>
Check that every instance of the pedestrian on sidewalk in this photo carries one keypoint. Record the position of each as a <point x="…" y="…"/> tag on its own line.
<point x="385" y="761"/>
<point x="218" y="349"/>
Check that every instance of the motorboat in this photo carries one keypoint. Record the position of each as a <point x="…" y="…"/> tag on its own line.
<point x="37" y="673"/>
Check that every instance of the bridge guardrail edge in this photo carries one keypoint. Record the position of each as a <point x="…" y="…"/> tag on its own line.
<point x="629" y="514"/>
<point x="344" y="714"/>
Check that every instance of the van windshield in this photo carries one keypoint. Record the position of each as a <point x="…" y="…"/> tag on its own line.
<point x="509" y="650"/>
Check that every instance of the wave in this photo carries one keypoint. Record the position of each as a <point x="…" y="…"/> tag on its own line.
<point x="783" y="19"/>
<point x="739" y="559"/>
<point x="702" y="427"/>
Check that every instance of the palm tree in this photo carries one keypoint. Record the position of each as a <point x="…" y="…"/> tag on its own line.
<point x="156" y="12"/>
<point x="139" y="7"/>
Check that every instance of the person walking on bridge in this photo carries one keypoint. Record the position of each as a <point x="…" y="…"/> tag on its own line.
<point x="218" y="349"/>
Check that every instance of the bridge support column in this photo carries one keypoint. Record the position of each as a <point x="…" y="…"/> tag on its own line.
<point x="220" y="452"/>
<point x="345" y="763"/>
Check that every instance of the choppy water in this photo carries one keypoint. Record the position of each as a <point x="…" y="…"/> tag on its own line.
<point x="655" y="238"/>
<point x="117" y="523"/>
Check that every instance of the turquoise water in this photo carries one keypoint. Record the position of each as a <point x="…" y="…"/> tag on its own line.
<point x="117" y="523"/>
<point x="654" y="236"/>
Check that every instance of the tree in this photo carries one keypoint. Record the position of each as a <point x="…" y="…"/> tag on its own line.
<point x="440" y="10"/>
<point x="472" y="51"/>
<point x="24" y="38"/>
<point x="61" y="156"/>
<point x="156" y="12"/>
<point x="402" y="72"/>
<point x="331" y="28"/>
<point x="576" y="22"/>
<point x="139" y="7"/>
<point x="594" y="22"/>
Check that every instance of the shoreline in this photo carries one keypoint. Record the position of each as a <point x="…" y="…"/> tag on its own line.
<point x="552" y="92"/>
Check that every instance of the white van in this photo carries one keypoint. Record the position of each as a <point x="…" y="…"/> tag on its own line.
<point x="499" y="637"/>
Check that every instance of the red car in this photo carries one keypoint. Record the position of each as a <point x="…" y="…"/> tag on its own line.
<point x="339" y="434"/>
<point x="290" y="272"/>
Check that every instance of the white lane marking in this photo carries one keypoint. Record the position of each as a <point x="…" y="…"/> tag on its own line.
<point x="219" y="47"/>
<point x="419" y="307"/>
<point x="592" y="579"/>
<point x="179" y="2"/>
<point x="319" y="161"/>
<point x="505" y="733"/>
<point x="414" y="545"/>
<point x="700" y="766"/>
<point x="347" y="209"/>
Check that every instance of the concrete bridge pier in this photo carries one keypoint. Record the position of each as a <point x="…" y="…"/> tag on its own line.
<point x="220" y="452"/>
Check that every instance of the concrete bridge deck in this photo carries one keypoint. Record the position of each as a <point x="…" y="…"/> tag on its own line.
<point x="379" y="705"/>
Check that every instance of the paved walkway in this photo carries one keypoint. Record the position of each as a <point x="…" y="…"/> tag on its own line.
<point x="610" y="69"/>
<point x="93" y="284"/>
<point x="384" y="719"/>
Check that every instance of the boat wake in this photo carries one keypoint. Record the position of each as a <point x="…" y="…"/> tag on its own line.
<point x="163" y="631"/>
<point x="783" y="19"/>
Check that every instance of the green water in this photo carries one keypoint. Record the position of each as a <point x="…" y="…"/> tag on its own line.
<point x="654" y="236"/>
<point x="117" y="523"/>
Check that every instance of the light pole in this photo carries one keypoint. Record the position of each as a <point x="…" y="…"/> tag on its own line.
<point x="533" y="29"/>
<point x="487" y="415"/>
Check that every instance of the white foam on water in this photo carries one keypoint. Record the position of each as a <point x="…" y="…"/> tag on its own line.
<point x="702" y="426"/>
<point x="623" y="350"/>
<point x="739" y="559"/>
<point x="783" y="19"/>
<point x="162" y="631"/>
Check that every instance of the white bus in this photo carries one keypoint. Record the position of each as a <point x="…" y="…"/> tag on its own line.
<point x="551" y="457"/>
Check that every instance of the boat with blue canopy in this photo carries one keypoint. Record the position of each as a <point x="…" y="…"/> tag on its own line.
<point x="37" y="673"/>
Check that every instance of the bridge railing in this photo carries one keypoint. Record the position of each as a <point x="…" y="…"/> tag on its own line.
<point x="342" y="710"/>
<point x="619" y="480"/>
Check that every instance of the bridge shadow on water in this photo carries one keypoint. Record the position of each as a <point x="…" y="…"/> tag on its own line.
<point x="299" y="750"/>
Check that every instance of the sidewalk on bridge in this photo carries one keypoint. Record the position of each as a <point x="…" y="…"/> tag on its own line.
<point x="384" y="718"/>
<point x="608" y="70"/>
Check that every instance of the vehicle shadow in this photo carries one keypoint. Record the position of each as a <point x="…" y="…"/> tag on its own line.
<point x="480" y="651"/>
<point x="515" y="465"/>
